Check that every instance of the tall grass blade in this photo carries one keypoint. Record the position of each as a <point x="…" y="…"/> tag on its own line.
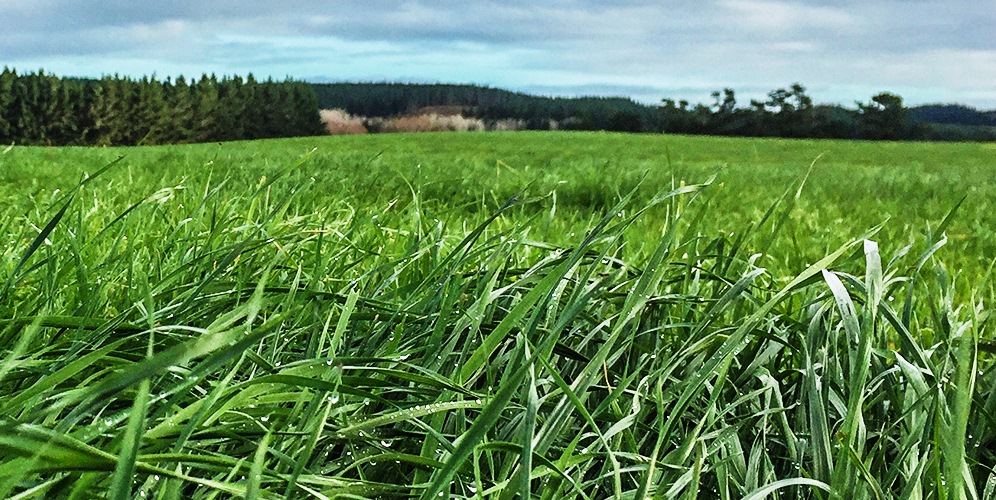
<point x="124" y="470"/>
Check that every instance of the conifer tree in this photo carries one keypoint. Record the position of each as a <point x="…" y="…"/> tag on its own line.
<point x="149" y="116"/>
<point x="7" y="80"/>
<point x="230" y="119"/>
<point x="180" y="110"/>
<point x="207" y="105"/>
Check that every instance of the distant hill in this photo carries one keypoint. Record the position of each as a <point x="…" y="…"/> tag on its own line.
<point x="385" y="100"/>
<point x="953" y="114"/>
<point x="536" y="112"/>
<point x="955" y="122"/>
<point x="391" y="99"/>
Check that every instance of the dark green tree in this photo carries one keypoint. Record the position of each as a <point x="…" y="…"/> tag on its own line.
<point x="180" y="109"/>
<point x="305" y="120"/>
<point x="102" y="112"/>
<point x="626" y="121"/>
<point x="230" y="120"/>
<point x="793" y="112"/>
<point x="206" y="109"/>
<point x="884" y="118"/>
<point x="8" y="81"/>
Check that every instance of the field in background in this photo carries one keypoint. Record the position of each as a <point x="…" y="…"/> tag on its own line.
<point x="559" y="314"/>
<point x="853" y="186"/>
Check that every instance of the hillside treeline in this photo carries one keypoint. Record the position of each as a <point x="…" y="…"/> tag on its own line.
<point x="787" y="112"/>
<point x="791" y="113"/>
<point x="956" y="122"/>
<point x="37" y="108"/>
<point x="385" y="100"/>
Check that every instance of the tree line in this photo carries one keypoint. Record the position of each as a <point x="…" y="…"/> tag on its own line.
<point x="37" y="108"/>
<point x="786" y="112"/>
<point x="790" y="112"/>
<point x="386" y="100"/>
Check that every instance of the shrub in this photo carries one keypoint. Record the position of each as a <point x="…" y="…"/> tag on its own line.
<point x="432" y="123"/>
<point x="339" y="122"/>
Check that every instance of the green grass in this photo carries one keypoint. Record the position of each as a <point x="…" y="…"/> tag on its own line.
<point x="498" y="315"/>
<point x="853" y="185"/>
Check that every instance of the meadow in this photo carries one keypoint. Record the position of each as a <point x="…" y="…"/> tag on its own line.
<point x="546" y="315"/>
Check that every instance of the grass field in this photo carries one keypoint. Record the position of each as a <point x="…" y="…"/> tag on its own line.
<point x="532" y="314"/>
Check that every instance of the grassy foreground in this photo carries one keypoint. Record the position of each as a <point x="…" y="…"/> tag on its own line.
<point x="235" y="319"/>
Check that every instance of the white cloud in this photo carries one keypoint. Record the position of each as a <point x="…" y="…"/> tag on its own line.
<point x="842" y="50"/>
<point x="769" y="17"/>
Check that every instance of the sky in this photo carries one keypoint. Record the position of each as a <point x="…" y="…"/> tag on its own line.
<point x="843" y="51"/>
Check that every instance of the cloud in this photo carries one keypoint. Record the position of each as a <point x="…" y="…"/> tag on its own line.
<point x="940" y="47"/>
<point x="771" y="18"/>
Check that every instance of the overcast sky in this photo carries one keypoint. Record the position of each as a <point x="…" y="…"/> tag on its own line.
<point x="845" y="50"/>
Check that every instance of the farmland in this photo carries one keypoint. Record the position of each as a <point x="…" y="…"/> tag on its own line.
<point x="541" y="314"/>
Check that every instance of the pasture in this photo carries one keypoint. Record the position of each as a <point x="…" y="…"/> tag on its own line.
<point x="463" y="315"/>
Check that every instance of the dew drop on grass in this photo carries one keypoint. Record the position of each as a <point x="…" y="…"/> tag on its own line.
<point x="264" y="419"/>
<point x="386" y="443"/>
